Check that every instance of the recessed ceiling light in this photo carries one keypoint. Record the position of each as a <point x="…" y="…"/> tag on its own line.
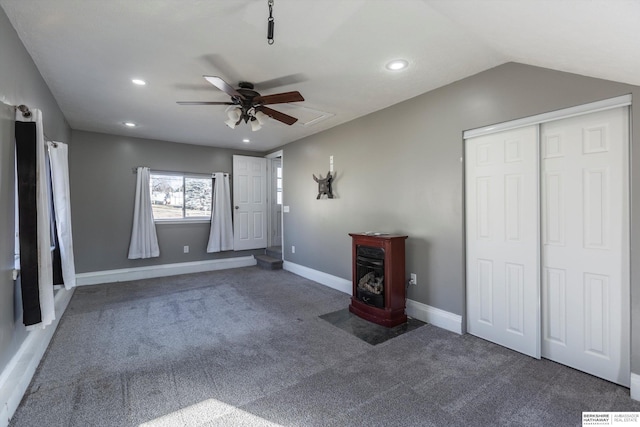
<point x="130" y="124"/>
<point x="246" y="140"/>
<point x="138" y="82"/>
<point x="397" y="65"/>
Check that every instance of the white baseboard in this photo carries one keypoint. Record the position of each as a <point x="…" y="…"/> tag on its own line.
<point x="635" y="386"/>
<point x="150" y="272"/>
<point x="434" y="316"/>
<point x="329" y="280"/>
<point x="417" y="310"/>
<point x="17" y="375"/>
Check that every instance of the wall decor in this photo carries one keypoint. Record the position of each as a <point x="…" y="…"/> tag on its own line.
<point x="324" y="185"/>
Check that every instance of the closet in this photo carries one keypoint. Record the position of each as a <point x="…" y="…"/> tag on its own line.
<point x="547" y="236"/>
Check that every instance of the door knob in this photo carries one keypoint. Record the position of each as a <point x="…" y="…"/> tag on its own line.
<point x="237" y="207"/>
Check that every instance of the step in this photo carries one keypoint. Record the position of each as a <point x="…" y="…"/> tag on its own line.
<point x="274" y="251"/>
<point x="267" y="262"/>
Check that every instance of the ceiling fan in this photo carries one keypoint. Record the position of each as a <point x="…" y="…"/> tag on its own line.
<point x="248" y="105"/>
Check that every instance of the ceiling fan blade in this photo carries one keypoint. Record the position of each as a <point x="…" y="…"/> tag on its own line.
<point x="279" y="98"/>
<point x="223" y="86"/>
<point x="223" y="68"/>
<point x="277" y="115"/>
<point x="280" y="81"/>
<point x="204" y="103"/>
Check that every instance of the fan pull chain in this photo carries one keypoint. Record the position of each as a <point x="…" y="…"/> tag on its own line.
<point x="270" y="23"/>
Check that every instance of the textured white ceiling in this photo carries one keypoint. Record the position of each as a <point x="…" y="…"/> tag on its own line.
<point x="332" y="51"/>
<point x="597" y="38"/>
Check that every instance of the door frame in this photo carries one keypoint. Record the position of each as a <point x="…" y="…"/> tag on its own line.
<point x="539" y="119"/>
<point x="270" y="190"/>
<point x="565" y="113"/>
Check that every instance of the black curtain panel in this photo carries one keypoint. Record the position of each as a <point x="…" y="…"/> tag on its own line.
<point x="57" y="259"/>
<point x="26" y="154"/>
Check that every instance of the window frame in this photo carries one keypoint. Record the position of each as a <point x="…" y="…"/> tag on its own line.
<point x="184" y="175"/>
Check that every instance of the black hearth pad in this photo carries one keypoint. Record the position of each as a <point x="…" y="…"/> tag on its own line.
<point x="367" y="331"/>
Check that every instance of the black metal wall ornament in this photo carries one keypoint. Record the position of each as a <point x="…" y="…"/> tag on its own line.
<point x="324" y="185"/>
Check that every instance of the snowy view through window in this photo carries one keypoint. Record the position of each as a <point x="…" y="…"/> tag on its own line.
<point x="176" y="196"/>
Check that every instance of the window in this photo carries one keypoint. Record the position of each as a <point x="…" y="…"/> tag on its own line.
<point x="279" y="185"/>
<point x="177" y="196"/>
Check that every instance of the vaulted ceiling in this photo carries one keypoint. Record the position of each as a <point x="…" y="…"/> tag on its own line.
<point x="332" y="51"/>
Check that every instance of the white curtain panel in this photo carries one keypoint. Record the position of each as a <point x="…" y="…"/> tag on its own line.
<point x="58" y="158"/>
<point x="144" y="241"/>
<point x="45" y="266"/>
<point x="221" y="234"/>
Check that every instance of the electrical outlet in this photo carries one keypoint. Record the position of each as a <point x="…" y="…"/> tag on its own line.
<point x="186" y="249"/>
<point x="414" y="279"/>
<point x="293" y="249"/>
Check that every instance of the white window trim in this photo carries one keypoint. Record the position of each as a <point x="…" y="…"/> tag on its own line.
<point x="192" y="220"/>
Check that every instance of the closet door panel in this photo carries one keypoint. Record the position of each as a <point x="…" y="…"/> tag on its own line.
<point x="502" y="239"/>
<point x="585" y="228"/>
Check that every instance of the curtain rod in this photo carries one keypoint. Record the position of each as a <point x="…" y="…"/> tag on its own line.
<point x="23" y="109"/>
<point x="135" y="171"/>
<point x="26" y="113"/>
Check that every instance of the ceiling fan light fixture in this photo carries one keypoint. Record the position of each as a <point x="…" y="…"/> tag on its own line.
<point x="255" y="124"/>
<point x="234" y="113"/>
<point x="248" y="105"/>
<point x="261" y="117"/>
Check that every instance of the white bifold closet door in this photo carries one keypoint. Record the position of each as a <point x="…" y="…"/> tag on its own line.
<point x="547" y="241"/>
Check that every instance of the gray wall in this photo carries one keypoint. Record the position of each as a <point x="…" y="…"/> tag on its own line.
<point x="399" y="170"/>
<point x="102" y="196"/>
<point x="20" y="83"/>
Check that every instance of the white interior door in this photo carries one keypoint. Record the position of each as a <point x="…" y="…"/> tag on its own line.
<point x="250" y="202"/>
<point x="502" y="239"/>
<point x="585" y="229"/>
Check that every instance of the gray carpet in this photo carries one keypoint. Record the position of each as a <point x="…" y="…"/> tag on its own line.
<point x="247" y="347"/>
